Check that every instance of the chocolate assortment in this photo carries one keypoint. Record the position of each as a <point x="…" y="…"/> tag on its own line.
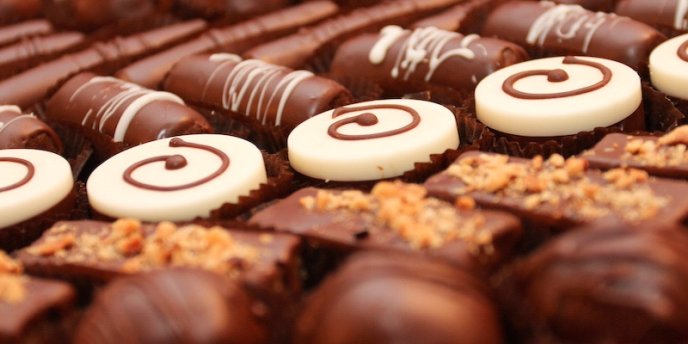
<point x="343" y="171"/>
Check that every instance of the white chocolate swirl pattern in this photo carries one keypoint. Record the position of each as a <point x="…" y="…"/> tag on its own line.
<point x="565" y="22"/>
<point x="564" y="96"/>
<point x="371" y="140"/>
<point x="176" y="179"/>
<point x="31" y="182"/>
<point x="668" y="71"/>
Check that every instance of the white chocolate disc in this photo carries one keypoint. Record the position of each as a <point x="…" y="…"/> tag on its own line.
<point x="51" y="182"/>
<point x="315" y="153"/>
<point x="668" y="71"/>
<point x="564" y="115"/>
<point x="198" y="187"/>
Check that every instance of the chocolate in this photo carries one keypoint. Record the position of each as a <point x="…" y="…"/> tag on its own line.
<point x="151" y="71"/>
<point x="172" y="306"/>
<point x="17" y="10"/>
<point x="618" y="284"/>
<point x="96" y="252"/>
<point x="464" y="17"/>
<point x="30" y="51"/>
<point x="32" y="310"/>
<point x="29" y="28"/>
<point x="451" y="60"/>
<point x="33" y="85"/>
<point x="592" y="5"/>
<point x="394" y="217"/>
<point x="664" y="156"/>
<point x="19" y="130"/>
<point x="550" y="29"/>
<point x="390" y="297"/>
<point x="668" y="16"/>
<point x="558" y="194"/>
<point x="230" y="9"/>
<point x="295" y="50"/>
<point x="260" y="94"/>
<point x="89" y="15"/>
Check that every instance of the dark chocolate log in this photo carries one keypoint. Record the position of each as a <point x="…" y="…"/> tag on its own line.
<point x="12" y="33"/>
<point x="616" y="285"/>
<point x="550" y="29"/>
<point x="19" y="130"/>
<point x="109" y="112"/>
<point x="31" y="51"/>
<point x="33" y="85"/>
<point x="389" y="298"/>
<point x="295" y="50"/>
<point x="558" y="193"/>
<point x="150" y="72"/>
<point x="253" y="91"/>
<point x="89" y="15"/>
<point x="17" y="10"/>
<point x="229" y="9"/>
<point x="659" y="156"/>
<point x="669" y="15"/>
<point x="357" y="223"/>
<point x="465" y="17"/>
<point x="450" y="60"/>
<point x="172" y="306"/>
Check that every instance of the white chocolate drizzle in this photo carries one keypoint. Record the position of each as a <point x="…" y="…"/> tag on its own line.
<point x="423" y="45"/>
<point x="137" y="96"/>
<point x="680" y="21"/>
<point x="565" y="22"/>
<point x="250" y="82"/>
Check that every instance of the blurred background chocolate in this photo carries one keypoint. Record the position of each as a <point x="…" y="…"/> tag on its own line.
<point x="668" y="16"/>
<point x="29" y="28"/>
<point x="17" y="10"/>
<point x="231" y="10"/>
<point x="88" y="15"/>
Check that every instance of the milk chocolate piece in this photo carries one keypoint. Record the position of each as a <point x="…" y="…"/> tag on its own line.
<point x="395" y="217"/>
<point x="617" y="285"/>
<point x="33" y="85"/>
<point x="31" y="51"/>
<point x="657" y="155"/>
<point x="295" y="50"/>
<point x="17" y="10"/>
<point x="150" y="72"/>
<point x="89" y="15"/>
<point x="230" y="9"/>
<point x="261" y="94"/>
<point x="550" y="29"/>
<point x="668" y="15"/>
<point x="452" y="60"/>
<point x="593" y="5"/>
<point x="384" y="297"/>
<point x="172" y="306"/>
<point x="558" y="194"/>
<point x="29" y="28"/>
<point x="465" y="17"/>
<point x="32" y="310"/>
<point x="18" y="130"/>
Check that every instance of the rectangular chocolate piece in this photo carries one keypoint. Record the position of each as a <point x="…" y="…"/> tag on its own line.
<point x="664" y="156"/>
<point x="550" y="29"/>
<point x="558" y="193"/>
<point x="94" y="252"/>
<point x="395" y="216"/>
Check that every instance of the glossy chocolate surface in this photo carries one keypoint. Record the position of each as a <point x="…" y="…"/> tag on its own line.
<point x="230" y="9"/>
<point x="15" y="32"/>
<point x="464" y="17"/>
<point x="26" y="131"/>
<point x="389" y="298"/>
<point x="16" y="10"/>
<point x="89" y="15"/>
<point x="668" y="14"/>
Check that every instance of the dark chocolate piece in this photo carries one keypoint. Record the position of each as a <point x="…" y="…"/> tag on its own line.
<point x="31" y="51"/>
<point x="19" y="130"/>
<point x="398" y="217"/>
<point x="89" y="15"/>
<point x="230" y="9"/>
<point x="33" y="85"/>
<point x="96" y="252"/>
<point x="295" y="50"/>
<point x="390" y="297"/>
<point x="29" y="28"/>
<point x="465" y="17"/>
<point x="592" y="5"/>
<point x="558" y="193"/>
<point x="668" y="15"/>
<point x="261" y="94"/>
<point x="664" y="156"/>
<point x="592" y="285"/>
<point x="32" y="310"/>
<point x="109" y="112"/>
<point x="17" y="10"/>
<point x="550" y="29"/>
<point x="151" y="71"/>
<point x="450" y="60"/>
<point x="172" y="306"/>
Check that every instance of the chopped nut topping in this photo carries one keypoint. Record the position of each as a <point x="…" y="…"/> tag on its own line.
<point x="561" y="183"/>
<point x="676" y="136"/>
<point x="404" y="208"/>
<point x="668" y="150"/>
<point x="125" y="241"/>
<point x="12" y="288"/>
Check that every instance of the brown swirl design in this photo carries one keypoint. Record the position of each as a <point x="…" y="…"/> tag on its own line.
<point x="30" y="171"/>
<point x="175" y="162"/>
<point x="367" y="119"/>
<point x="556" y="75"/>
<point x="682" y="53"/>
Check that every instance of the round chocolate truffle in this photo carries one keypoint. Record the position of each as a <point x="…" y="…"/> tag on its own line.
<point x="171" y="306"/>
<point x="395" y="298"/>
<point x="612" y="285"/>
